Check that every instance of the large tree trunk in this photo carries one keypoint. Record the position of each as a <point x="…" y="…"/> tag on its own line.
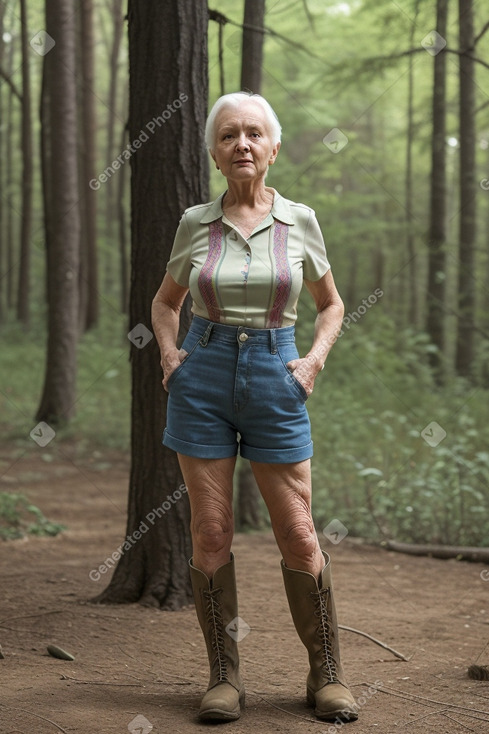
<point x="437" y="230"/>
<point x="248" y="513"/>
<point x="23" y="293"/>
<point x="63" y="233"/>
<point x="168" y="79"/>
<point x="252" y="48"/>
<point x="468" y="188"/>
<point x="89" y="298"/>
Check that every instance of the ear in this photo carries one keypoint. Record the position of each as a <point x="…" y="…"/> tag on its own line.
<point x="213" y="158"/>
<point x="274" y="153"/>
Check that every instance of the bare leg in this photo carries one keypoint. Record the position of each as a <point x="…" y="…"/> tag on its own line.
<point x="210" y="489"/>
<point x="286" y="489"/>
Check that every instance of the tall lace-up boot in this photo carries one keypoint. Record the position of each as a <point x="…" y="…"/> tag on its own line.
<point x="216" y="603"/>
<point x="313" y="612"/>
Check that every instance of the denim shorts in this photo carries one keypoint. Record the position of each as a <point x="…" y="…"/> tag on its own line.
<point x="234" y="389"/>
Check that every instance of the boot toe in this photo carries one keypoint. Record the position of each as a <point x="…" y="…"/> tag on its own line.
<point x="221" y="703"/>
<point x="332" y="702"/>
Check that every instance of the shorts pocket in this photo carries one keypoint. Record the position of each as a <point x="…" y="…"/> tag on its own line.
<point x="190" y="344"/>
<point x="287" y="354"/>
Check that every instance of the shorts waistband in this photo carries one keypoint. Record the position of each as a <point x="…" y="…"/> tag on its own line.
<point x="210" y="330"/>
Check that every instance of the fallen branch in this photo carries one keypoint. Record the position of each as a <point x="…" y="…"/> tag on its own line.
<point x="377" y="642"/>
<point x="429" y="701"/>
<point x="31" y="713"/>
<point x="463" y="553"/>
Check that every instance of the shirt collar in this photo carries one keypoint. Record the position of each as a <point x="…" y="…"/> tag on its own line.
<point x="280" y="210"/>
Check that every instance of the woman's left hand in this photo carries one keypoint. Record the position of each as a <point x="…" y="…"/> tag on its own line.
<point x="305" y="370"/>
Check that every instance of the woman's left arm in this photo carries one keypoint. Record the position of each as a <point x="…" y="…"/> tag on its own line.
<point x="326" y="330"/>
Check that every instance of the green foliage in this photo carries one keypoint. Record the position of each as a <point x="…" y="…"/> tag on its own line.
<point x="19" y="518"/>
<point x="102" y="409"/>
<point x="372" y="468"/>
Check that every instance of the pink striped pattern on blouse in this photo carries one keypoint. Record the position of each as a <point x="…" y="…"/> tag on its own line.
<point x="283" y="278"/>
<point x="205" y="283"/>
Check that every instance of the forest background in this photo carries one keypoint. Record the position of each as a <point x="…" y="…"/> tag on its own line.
<point x="399" y="415"/>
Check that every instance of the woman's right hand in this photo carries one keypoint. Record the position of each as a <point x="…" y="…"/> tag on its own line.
<point x="170" y="364"/>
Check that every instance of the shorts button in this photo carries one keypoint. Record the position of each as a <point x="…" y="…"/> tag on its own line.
<point x="243" y="337"/>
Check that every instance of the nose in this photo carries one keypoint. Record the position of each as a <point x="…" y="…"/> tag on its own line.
<point x="242" y="143"/>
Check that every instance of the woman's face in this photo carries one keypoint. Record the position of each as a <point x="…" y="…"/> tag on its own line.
<point x="243" y="149"/>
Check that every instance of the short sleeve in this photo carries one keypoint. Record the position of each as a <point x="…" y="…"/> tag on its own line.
<point x="316" y="262"/>
<point x="179" y="264"/>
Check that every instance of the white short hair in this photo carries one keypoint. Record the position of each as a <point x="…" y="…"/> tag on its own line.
<point x="235" y="99"/>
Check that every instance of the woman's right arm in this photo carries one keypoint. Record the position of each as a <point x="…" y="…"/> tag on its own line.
<point x="165" y="317"/>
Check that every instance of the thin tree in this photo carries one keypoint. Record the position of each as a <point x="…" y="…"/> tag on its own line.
<point x="60" y="178"/>
<point x="409" y="220"/>
<point x="167" y="111"/>
<point x="438" y="184"/>
<point x="3" y="300"/>
<point x="89" y="295"/>
<point x="23" y="293"/>
<point x="468" y="190"/>
<point x="252" y="46"/>
<point x="115" y="8"/>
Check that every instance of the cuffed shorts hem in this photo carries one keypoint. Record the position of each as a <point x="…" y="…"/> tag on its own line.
<point x="276" y="456"/>
<point x="198" y="450"/>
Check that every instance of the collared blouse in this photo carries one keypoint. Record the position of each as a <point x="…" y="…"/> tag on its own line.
<point x="252" y="282"/>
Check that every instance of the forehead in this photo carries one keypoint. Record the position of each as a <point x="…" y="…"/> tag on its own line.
<point x="248" y="113"/>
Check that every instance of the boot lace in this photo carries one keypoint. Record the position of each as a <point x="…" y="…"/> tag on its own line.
<point x="215" y="622"/>
<point x="325" y="633"/>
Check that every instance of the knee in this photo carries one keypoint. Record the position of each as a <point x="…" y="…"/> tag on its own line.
<point x="212" y="535"/>
<point x="300" y="537"/>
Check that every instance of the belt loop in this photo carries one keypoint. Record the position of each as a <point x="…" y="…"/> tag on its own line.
<point x="273" y="341"/>
<point x="206" y="335"/>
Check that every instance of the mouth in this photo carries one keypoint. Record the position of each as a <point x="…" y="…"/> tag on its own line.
<point x="242" y="161"/>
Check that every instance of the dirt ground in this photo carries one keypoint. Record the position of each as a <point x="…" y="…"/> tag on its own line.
<point x="140" y="670"/>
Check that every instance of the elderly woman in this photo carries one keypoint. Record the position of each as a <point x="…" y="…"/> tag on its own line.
<point x="238" y="381"/>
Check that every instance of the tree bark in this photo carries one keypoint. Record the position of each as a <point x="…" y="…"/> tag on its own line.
<point x="168" y="80"/>
<point x="121" y="216"/>
<point x="63" y="231"/>
<point x="23" y="292"/>
<point x="468" y="188"/>
<point x="89" y="304"/>
<point x="252" y="48"/>
<point x="437" y="228"/>
<point x="118" y="28"/>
